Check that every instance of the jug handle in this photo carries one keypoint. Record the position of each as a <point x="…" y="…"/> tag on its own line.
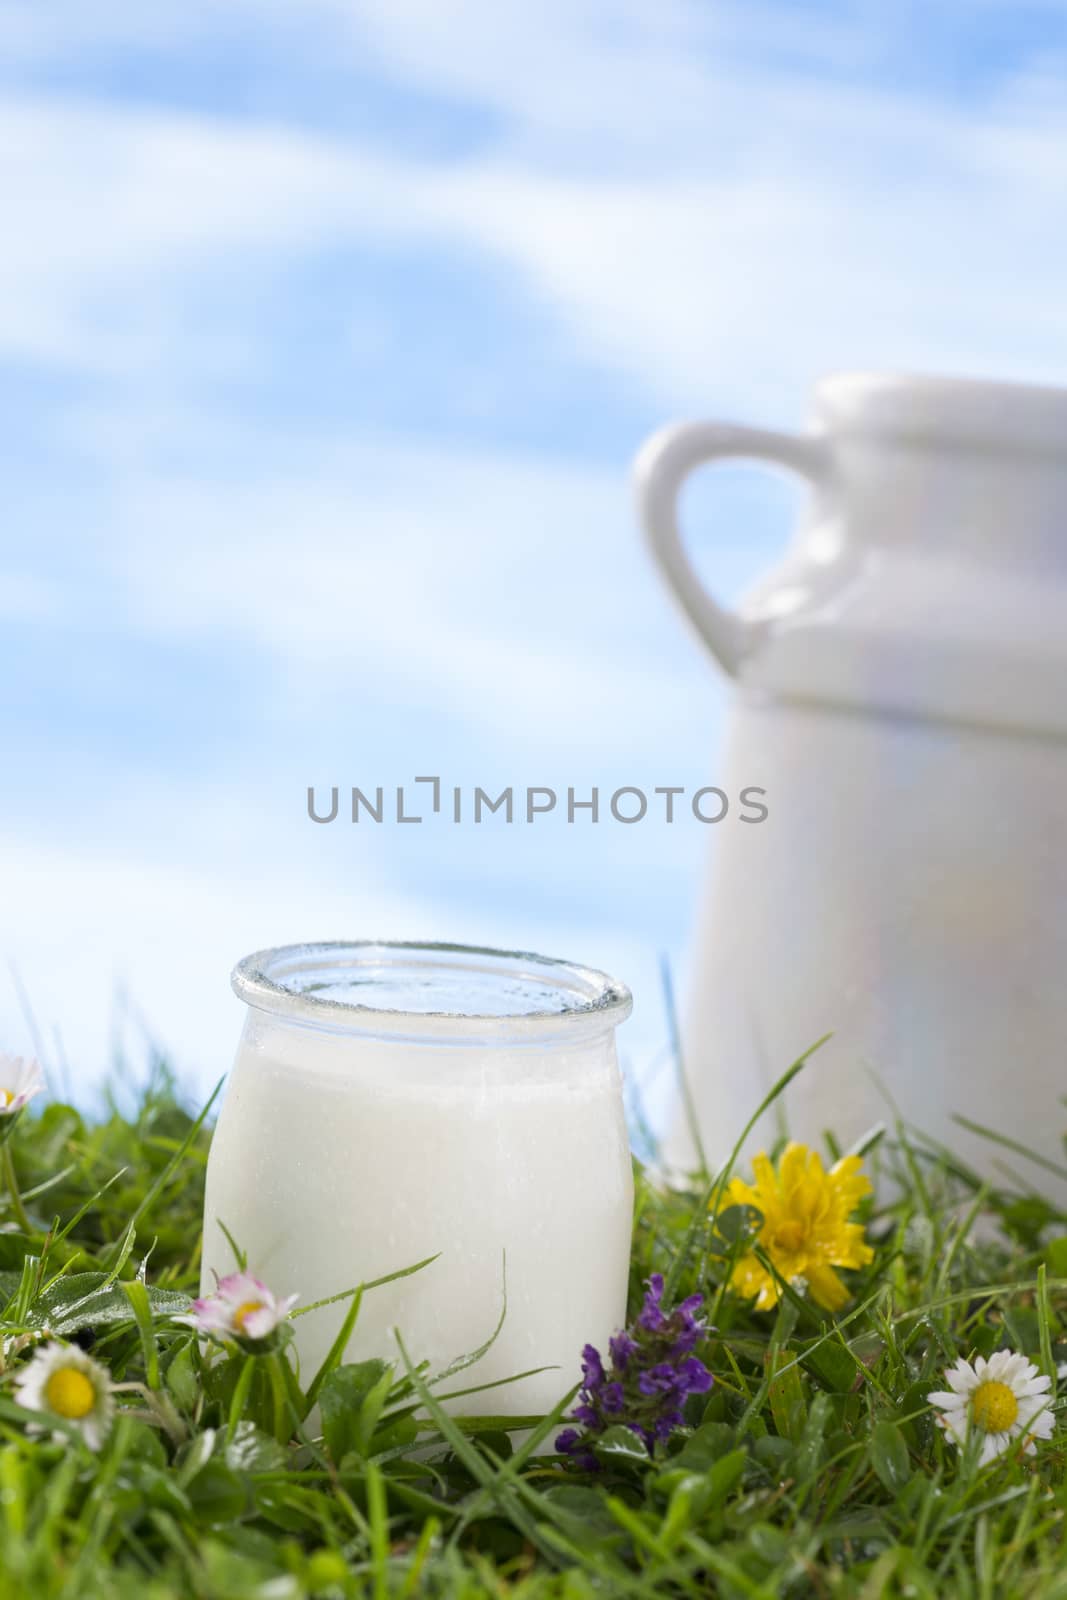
<point x="662" y="466"/>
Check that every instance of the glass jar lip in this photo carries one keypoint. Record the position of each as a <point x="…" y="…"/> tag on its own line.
<point x="514" y="995"/>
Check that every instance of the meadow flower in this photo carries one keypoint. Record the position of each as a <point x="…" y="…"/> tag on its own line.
<point x="1003" y="1400"/>
<point x="805" y="1230"/>
<point x="651" y="1373"/>
<point x="20" y="1080"/>
<point x="242" y="1307"/>
<point x="62" y="1381"/>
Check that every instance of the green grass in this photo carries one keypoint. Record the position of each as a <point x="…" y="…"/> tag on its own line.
<point x="813" y="1468"/>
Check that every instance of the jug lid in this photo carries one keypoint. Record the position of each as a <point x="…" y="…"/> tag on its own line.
<point x="930" y="411"/>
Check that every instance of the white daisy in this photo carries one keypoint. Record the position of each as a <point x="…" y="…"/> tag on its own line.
<point x="62" y="1381"/>
<point x="20" y="1080"/>
<point x="242" y="1307"/>
<point x="1004" y="1399"/>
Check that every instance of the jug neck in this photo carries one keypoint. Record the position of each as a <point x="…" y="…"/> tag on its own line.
<point x="1004" y="509"/>
<point x="944" y="467"/>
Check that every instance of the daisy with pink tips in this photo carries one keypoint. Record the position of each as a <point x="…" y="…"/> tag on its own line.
<point x="20" y="1079"/>
<point x="241" y="1307"/>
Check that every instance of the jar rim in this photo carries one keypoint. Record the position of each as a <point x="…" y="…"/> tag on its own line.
<point x="462" y="991"/>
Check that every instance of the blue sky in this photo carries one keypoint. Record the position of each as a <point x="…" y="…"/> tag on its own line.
<point x="327" y="334"/>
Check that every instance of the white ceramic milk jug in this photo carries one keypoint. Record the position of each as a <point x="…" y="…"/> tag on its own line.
<point x="901" y="694"/>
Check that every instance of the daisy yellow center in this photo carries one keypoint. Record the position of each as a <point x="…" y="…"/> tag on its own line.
<point x="69" y="1393"/>
<point x="6" y="1097"/>
<point x="243" y="1312"/>
<point x="994" y="1407"/>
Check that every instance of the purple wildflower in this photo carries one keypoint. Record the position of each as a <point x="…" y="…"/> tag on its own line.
<point x="622" y="1347"/>
<point x="651" y="1374"/>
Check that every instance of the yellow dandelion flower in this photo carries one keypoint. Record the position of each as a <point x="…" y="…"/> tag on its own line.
<point x="805" y="1230"/>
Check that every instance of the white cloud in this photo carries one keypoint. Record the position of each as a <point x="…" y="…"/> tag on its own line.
<point x="602" y="83"/>
<point x="717" y="226"/>
<point x="495" y="589"/>
<point x="112" y="216"/>
<point x="81" y="924"/>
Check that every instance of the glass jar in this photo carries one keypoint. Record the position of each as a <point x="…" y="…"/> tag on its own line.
<point x="390" y="1102"/>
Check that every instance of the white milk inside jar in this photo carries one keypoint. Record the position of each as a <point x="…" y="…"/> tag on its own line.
<point x="392" y="1102"/>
